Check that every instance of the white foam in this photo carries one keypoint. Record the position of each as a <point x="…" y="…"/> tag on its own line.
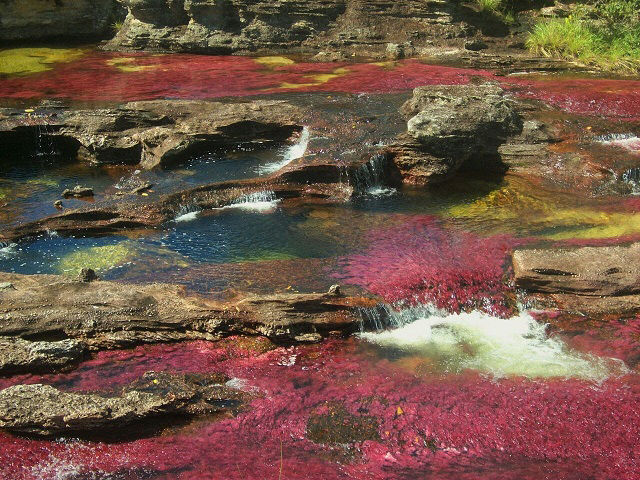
<point x="263" y="202"/>
<point x="187" y="217"/>
<point x="518" y="346"/>
<point x="291" y="153"/>
<point x="381" y="191"/>
<point x="625" y="140"/>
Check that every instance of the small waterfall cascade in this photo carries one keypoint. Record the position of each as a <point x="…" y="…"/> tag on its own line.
<point x="186" y="213"/>
<point x="289" y="154"/>
<point x="262" y="201"/>
<point x="628" y="141"/>
<point x="370" y="178"/>
<point x="475" y="340"/>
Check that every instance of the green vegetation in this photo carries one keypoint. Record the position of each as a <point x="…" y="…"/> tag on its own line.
<point x="117" y="26"/>
<point x="500" y="9"/>
<point x="25" y="61"/>
<point x="605" y="34"/>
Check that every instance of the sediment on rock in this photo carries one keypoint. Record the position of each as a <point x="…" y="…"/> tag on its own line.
<point x="45" y="410"/>
<point x="107" y="315"/>
<point x="591" y="280"/>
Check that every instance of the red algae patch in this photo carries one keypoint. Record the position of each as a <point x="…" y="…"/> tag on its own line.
<point x="140" y="76"/>
<point x="422" y="262"/>
<point x="618" y="99"/>
<point x="398" y="425"/>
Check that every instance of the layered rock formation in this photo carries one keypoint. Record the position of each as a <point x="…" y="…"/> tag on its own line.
<point x="19" y="356"/>
<point x="39" y="19"/>
<point x="226" y="26"/>
<point x="45" y="410"/>
<point x="450" y="127"/>
<point x="586" y="279"/>
<point x="112" y="315"/>
<point x="152" y="133"/>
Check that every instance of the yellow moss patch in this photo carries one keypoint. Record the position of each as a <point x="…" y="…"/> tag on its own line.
<point x="126" y="64"/>
<point x="25" y="61"/>
<point x="98" y="258"/>
<point x="597" y="225"/>
<point x="274" y="61"/>
<point x="316" y="79"/>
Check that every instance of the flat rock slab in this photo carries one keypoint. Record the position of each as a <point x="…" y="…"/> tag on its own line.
<point x="45" y="410"/>
<point x="114" y="315"/>
<point x="588" y="271"/>
<point x="20" y="356"/>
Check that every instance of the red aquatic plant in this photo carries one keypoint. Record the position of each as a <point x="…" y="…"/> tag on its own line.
<point x="420" y="261"/>
<point x="140" y="76"/>
<point x="440" y="427"/>
<point x="589" y="96"/>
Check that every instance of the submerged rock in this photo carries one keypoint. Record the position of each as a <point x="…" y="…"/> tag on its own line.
<point x="20" y="356"/>
<point x="451" y="127"/>
<point x="45" y="410"/>
<point x="78" y="192"/>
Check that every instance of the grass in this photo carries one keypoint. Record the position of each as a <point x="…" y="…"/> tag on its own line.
<point x="117" y="26"/>
<point x="605" y="34"/>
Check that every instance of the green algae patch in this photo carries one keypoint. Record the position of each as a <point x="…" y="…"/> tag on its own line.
<point x="99" y="259"/>
<point x="26" y="61"/>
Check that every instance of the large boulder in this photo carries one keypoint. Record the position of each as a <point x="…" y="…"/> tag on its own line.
<point x="37" y="19"/>
<point x="454" y="126"/>
<point x="45" y="410"/>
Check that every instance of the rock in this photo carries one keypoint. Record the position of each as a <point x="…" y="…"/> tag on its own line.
<point x="610" y="271"/>
<point x="395" y="51"/>
<point x="38" y="19"/>
<point x="7" y="286"/>
<point x="142" y="188"/>
<point x="113" y="315"/>
<point x="78" y="192"/>
<point x="156" y="133"/>
<point x="475" y="45"/>
<point x="22" y="356"/>
<point x="58" y="204"/>
<point x="45" y="410"/>
<point x="213" y="26"/>
<point x="87" y="275"/>
<point x="454" y="126"/>
<point x="334" y="290"/>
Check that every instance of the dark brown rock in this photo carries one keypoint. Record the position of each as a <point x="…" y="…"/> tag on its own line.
<point x="45" y="410"/>
<point x="38" y="19"/>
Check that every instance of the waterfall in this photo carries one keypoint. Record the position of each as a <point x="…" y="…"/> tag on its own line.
<point x="187" y="213"/>
<point x="370" y="178"/>
<point x="289" y="154"/>
<point x="628" y="141"/>
<point x="518" y="346"/>
<point x="263" y="201"/>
